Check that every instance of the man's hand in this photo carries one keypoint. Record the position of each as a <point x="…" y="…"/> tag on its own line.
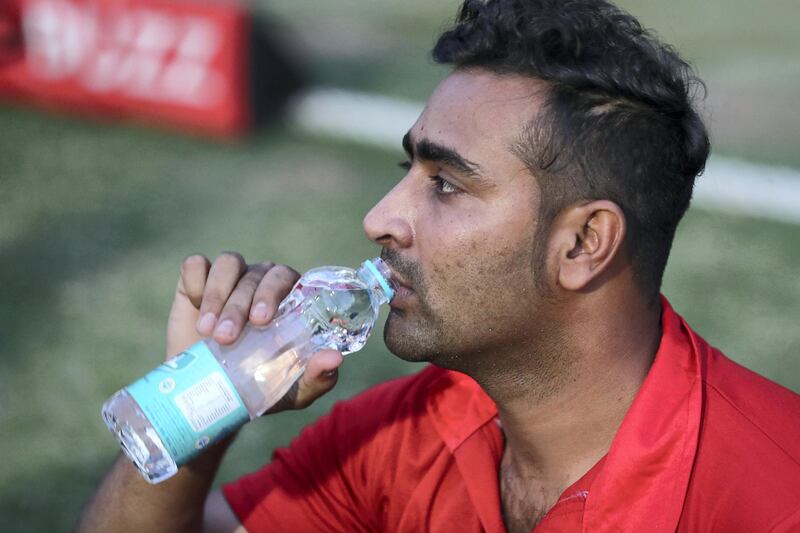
<point x="211" y="300"/>
<point x="217" y="300"/>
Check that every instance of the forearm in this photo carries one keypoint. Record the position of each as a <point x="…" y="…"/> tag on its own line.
<point x="126" y="502"/>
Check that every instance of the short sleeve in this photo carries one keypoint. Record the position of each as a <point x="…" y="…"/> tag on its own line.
<point x="353" y="470"/>
<point x="310" y="486"/>
<point x="788" y="523"/>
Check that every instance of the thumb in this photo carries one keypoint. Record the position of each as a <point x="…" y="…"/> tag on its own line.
<point x="181" y="329"/>
<point x="320" y="376"/>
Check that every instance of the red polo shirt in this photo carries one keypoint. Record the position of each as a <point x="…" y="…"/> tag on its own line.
<point x="707" y="445"/>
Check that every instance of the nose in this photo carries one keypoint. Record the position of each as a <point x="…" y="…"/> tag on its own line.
<point x="389" y="222"/>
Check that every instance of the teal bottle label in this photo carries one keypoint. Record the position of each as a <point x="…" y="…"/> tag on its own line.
<point x="190" y="401"/>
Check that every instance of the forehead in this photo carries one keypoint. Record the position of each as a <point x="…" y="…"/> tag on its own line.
<point x="479" y="112"/>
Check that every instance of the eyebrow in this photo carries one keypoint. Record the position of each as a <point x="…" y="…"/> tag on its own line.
<point x="427" y="150"/>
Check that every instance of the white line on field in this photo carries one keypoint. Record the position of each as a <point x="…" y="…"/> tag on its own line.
<point x="729" y="185"/>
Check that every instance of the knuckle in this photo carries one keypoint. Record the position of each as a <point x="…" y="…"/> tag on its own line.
<point x="312" y="396"/>
<point x="264" y="266"/>
<point x="234" y="259"/>
<point x="286" y="273"/>
<point x="235" y="311"/>
<point x="271" y="289"/>
<point x="254" y="274"/>
<point x="248" y="284"/>
<point x="212" y="299"/>
<point x="193" y="261"/>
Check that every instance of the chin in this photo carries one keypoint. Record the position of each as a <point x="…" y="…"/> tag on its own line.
<point x="405" y="350"/>
<point x="419" y="341"/>
<point x="407" y="342"/>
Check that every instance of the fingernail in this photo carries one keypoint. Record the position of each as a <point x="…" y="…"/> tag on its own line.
<point x="260" y="311"/>
<point x="225" y="328"/>
<point x="206" y="322"/>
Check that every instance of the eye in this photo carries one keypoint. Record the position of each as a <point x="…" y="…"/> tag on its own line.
<point x="443" y="186"/>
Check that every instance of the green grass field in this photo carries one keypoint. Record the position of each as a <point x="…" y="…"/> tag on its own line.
<point x="95" y="220"/>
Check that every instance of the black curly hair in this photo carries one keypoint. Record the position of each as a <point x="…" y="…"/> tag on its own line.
<point x="618" y="122"/>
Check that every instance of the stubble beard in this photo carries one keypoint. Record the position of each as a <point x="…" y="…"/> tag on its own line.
<point x="529" y="349"/>
<point x="534" y="361"/>
<point x="423" y="333"/>
<point x="414" y="339"/>
<point x="440" y="326"/>
<point x="418" y="334"/>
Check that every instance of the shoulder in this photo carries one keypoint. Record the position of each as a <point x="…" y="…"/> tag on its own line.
<point x="748" y="455"/>
<point x="741" y="400"/>
<point x="376" y="423"/>
<point x="333" y="476"/>
<point x="385" y="408"/>
<point x="403" y="393"/>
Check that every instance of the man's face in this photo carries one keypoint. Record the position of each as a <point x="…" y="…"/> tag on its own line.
<point x="458" y="229"/>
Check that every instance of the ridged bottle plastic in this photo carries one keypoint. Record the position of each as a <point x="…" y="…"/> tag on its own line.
<point x="166" y="418"/>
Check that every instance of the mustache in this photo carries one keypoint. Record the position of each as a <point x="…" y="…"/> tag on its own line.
<point x="409" y="270"/>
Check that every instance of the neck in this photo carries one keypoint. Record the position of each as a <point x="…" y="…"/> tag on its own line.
<point x="560" y="415"/>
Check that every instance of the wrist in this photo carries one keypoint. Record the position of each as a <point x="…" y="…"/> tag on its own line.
<point x="207" y="463"/>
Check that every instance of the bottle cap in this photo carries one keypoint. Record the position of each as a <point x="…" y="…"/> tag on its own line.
<point x="387" y="289"/>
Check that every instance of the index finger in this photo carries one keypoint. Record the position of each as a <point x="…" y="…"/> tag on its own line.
<point x="194" y="272"/>
<point x="273" y="288"/>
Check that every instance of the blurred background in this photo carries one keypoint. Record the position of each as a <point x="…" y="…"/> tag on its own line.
<point x="97" y="215"/>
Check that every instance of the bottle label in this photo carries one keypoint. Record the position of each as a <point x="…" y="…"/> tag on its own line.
<point x="190" y="401"/>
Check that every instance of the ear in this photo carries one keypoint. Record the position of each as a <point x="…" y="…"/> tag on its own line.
<point x="588" y="238"/>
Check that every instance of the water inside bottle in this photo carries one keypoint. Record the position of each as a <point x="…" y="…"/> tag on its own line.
<point x="326" y="309"/>
<point x="338" y="308"/>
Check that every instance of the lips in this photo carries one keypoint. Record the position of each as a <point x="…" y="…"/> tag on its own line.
<point x="401" y="296"/>
<point x="402" y="292"/>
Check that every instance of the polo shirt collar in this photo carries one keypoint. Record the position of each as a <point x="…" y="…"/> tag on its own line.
<point x="466" y="420"/>
<point x="642" y="481"/>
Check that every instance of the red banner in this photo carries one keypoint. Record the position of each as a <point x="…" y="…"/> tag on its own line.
<point x="179" y="62"/>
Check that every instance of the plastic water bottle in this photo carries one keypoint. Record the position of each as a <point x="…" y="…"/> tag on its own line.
<point x="193" y="400"/>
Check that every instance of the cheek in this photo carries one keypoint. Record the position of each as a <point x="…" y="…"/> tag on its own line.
<point x="451" y="242"/>
<point x="472" y="255"/>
